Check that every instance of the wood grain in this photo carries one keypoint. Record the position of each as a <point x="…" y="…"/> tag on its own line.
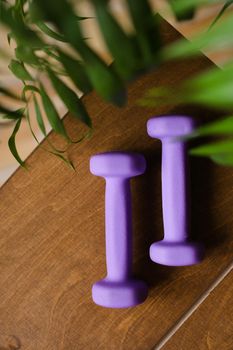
<point x="52" y="234"/>
<point x="211" y="325"/>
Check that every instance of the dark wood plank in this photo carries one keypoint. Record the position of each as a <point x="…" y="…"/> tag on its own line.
<point x="211" y="326"/>
<point x="52" y="235"/>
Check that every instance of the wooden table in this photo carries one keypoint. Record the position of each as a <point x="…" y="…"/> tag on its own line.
<point x="52" y="242"/>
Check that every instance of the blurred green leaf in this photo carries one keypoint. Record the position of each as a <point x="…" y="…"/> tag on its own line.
<point x="103" y="78"/>
<point x="213" y="148"/>
<point x="223" y="159"/>
<point x="19" y="70"/>
<point x="159" y="96"/>
<point x="51" y="33"/>
<point x="12" y="146"/>
<point x="76" y="72"/>
<point x="180" y="7"/>
<point x="216" y="38"/>
<point x="147" y="29"/>
<point x="119" y="44"/>
<point x="23" y="34"/>
<point x="59" y="15"/>
<point x="186" y="12"/>
<point x="52" y="114"/>
<point x="212" y="88"/>
<point x="220" y="127"/>
<point x="13" y="115"/>
<point x="26" y="55"/>
<point x="82" y="18"/>
<point x="19" y="6"/>
<point x="70" y="99"/>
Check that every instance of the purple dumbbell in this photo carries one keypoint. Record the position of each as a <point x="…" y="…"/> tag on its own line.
<point x="119" y="288"/>
<point x="176" y="249"/>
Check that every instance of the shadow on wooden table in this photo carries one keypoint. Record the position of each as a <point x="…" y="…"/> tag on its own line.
<point x="203" y="187"/>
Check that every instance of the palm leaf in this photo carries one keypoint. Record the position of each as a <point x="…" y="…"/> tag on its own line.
<point x="70" y="99"/>
<point x="52" y="114"/>
<point x="12" y="146"/>
<point x="119" y="44"/>
<point x="76" y="72"/>
<point x="18" y="69"/>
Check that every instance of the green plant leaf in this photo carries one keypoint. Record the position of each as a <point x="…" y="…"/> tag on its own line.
<point x="30" y="126"/>
<point x="185" y="13"/>
<point x="219" y="127"/>
<point x="213" y="148"/>
<point x="41" y="124"/>
<point x="14" y="115"/>
<point x="104" y="79"/>
<point x="70" y="99"/>
<point x="19" y="6"/>
<point x="29" y="88"/>
<point x="181" y="7"/>
<point x="217" y="38"/>
<point x="64" y="159"/>
<point x="39" y="117"/>
<point x="12" y="146"/>
<point x="223" y="159"/>
<point x="159" y="96"/>
<point x="23" y="34"/>
<point x="52" y="114"/>
<point x="126" y="56"/>
<point x="219" y="152"/>
<point x="147" y="29"/>
<point x="19" y="70"/>
<point x="221" y="12"/>
<point x="212" y="88"/>
<point x="43" y="10"/>
<point x="26" y="55"/>
<point x="48" y="31"/>
<point x="87" y="135"/>
<point x="76" y="72"/>
<point x="81" y="18"/>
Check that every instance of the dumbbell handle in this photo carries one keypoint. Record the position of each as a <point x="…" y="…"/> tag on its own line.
<point x="175" y="196"/>
<point x="118" y="227"/>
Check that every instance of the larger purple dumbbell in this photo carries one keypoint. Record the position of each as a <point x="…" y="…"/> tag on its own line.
<point x="175" y="249"/>
<point x="118" y="289"/>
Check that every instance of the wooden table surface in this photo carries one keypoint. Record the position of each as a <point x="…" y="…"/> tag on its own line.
<point x="52" y="242"/>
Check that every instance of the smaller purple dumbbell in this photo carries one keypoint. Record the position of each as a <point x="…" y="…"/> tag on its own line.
<point x="175" y="249"/>
<point x="118" y="289"/>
